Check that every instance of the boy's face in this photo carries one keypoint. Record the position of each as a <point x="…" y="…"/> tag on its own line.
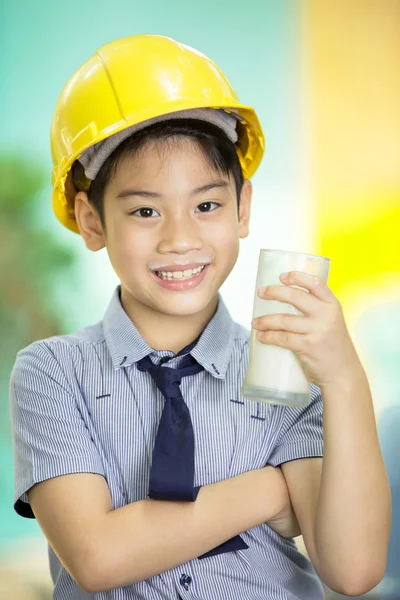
<point x="175" y="223"/>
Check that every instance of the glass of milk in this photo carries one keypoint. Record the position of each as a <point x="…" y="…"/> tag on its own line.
<point x="275" y="374"/>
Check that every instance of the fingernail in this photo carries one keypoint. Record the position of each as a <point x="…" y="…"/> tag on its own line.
<point x="262" y="290"/>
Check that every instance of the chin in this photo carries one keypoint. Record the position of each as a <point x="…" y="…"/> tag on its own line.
<point x="184" y="304"/>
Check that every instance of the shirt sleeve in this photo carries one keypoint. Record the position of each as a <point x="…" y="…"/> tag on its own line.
<point x="50" y="437"/>
<point x="301" y="433"/>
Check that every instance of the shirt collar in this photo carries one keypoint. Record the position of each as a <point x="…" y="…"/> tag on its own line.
<point x="126" y="346"/>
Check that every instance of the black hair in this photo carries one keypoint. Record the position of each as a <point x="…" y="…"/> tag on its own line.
<point x="215" y="144"/>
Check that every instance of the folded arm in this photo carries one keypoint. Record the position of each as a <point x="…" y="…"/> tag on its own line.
<point x="104" y="548"/>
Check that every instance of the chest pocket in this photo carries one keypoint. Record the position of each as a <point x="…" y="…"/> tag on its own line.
<point x="123" y="420"/>
<point x="257" y="425"/>
<point x="233" y="434"/>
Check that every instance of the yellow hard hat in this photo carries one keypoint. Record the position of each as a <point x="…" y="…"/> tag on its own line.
<point x="129" y="81"/>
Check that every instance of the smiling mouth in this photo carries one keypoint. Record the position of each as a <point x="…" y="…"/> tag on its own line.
<point x="179" y="275"/>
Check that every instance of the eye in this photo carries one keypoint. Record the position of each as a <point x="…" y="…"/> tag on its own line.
<point x="207" y="204"/>
<point x="144" y="213"/>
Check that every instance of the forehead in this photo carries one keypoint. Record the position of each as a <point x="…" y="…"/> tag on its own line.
<point x="171" y="157"/>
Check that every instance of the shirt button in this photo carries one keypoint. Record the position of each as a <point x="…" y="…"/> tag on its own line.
<point x="185" y="580"/>
<point x="164" y="359"/>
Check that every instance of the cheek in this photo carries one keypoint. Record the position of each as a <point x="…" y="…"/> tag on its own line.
<point x="228" y="242"/>
<point x="227" y="233"/>
<point x="225" y="241"/>
<point x="126" y="245"/>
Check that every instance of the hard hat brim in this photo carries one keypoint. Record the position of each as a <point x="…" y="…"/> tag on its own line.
<point x="249" y="147"/>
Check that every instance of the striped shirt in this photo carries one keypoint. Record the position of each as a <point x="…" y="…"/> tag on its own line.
<point x="79" y="404"/>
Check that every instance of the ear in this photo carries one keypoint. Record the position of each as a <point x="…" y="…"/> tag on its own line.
<point x="244" y="208"/>
<point x="89" y="223"/>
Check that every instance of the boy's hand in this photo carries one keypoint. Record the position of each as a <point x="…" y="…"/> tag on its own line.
<point x="319" y="337"/>
<point x="285" y="522"/>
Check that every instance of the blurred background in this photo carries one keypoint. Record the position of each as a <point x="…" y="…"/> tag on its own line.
<point x="324" y="78"/>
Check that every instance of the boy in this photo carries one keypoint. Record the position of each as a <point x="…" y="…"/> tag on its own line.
<point x="149" y="474"/>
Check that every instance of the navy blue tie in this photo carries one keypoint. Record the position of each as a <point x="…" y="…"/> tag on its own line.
<point x="172" y="469"/>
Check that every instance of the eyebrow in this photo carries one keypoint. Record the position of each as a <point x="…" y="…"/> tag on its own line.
<point x="146" y="194"/>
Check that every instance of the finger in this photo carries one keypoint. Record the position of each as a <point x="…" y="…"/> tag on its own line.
<point x="282" y="322"/>
<point x="291" y="341"/>
<point x="312" y="283"/>
<point x="305" y="302"/>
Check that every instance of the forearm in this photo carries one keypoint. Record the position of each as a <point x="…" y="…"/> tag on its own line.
<point x="148" y="537"/>
<point x="353" y="517"/>
<point x="285" y="523"/>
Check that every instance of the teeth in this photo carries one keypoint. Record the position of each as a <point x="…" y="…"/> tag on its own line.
<point x="172" y="275"/>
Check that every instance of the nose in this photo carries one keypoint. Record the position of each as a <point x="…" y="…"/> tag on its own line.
<point x="180" y="234"/>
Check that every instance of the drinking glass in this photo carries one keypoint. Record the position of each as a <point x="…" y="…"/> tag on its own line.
<point x="274" y="374"/>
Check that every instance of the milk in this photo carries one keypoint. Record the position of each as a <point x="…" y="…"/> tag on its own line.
<point x="275" y="374"/>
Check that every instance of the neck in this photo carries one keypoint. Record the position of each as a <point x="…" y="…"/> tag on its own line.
<point x="166" y="332"/>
